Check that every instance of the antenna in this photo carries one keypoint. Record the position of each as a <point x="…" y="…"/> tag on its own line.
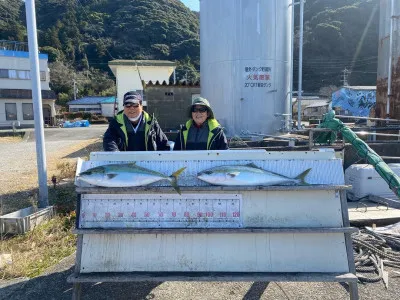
<point x="345" y="77"/>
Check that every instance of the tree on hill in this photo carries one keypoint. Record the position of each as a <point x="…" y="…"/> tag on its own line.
<point x="86" y="34"/>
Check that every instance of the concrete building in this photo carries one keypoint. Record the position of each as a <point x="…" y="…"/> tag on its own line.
<point x="311" y="107"/>
<point x="169" y="103"/>
<point x="95" y="105"/>
<point x="16" y="106"/>
<point x="316" y="110"/>
<point x="130" y="74"/>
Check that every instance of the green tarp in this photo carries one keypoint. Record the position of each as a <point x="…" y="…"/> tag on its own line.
<point x="329" y="121"/>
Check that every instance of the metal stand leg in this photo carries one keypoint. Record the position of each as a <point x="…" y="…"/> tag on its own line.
<point x="76" y="291"/>
<point x="353" y="290"/>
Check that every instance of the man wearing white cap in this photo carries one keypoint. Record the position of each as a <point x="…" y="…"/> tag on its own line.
<point x="133" y="129"/>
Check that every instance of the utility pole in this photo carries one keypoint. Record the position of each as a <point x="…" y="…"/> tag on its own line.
<point x="389" y="90"/>
<point x="75" y="90"/>
<point x="345" y="77"/>
<point x="37" y="102"/>
<point x="299" y="95"/>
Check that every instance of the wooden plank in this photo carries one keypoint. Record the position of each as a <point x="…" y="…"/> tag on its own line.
<point x="366" y="213"/>
<point x="213" y="230"/>
<point x="167" y="189"/>
<point x="212" y="276"/>
<point x="353" y="287"/>
<point x="77" y="288"/>
<point x="210" y="155"/>
<point x="217" y="252"/>
<point x="391" y="202"/>
<point x="259" y="209"/>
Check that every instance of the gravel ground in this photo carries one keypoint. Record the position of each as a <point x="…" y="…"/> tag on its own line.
<point x="19" y="163"/>
<point x="18" y="166"/>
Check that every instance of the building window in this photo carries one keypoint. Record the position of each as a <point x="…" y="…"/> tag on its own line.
<point x="11" y="111"/>
<point x="169" y="93"/>
<point x="3" y="73"/>
<point x="22" y="74"/>
<point x="27" y="111"/>
<point x="12" y="74"/>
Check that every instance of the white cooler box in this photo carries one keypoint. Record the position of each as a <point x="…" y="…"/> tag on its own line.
<point x="365" y="181"/>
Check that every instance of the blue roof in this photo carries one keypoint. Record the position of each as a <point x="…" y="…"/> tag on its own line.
<point x="92" y="100"/>
<point x="22" y="54"/>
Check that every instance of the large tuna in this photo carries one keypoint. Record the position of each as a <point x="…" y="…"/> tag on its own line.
<point x="247" y="175"/>
<point x="126" y="175"/>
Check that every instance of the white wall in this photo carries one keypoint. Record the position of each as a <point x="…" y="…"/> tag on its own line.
<point x="128" y="78"/>
<point x="107" y="109"/>
<point x="20" y="63"/>
<point x="96" y="108"/>
<point x="19" y="103"/>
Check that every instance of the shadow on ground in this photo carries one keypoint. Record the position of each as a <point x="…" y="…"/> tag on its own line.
<point x="55" y="286"/>
<point x="63" y="197"/>
<point x="85" y="152"/>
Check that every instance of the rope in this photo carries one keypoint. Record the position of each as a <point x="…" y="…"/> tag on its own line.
<point x="373" y="250"/>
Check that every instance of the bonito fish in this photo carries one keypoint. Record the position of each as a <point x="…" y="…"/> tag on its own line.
<point x="248" y="175"/>
<point x="126" y="175"/>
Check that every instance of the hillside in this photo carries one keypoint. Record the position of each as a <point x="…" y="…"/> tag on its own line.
<point x="81" y="36"/>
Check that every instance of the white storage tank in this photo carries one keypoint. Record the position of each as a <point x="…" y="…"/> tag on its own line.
<point x="245" y="55"/>
<point x="366" y="181"/>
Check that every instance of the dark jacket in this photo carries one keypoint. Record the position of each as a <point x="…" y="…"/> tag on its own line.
<point x="216" y="137"/>
<point x="116" y="136"/>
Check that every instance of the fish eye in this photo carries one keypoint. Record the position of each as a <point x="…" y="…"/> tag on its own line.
<point x="207" y="172"/>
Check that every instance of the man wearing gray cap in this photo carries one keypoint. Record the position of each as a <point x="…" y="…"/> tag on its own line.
<point x="133" y="129"/>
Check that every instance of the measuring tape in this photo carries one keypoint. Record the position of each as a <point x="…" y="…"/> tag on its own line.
<point x="160" y="211"/>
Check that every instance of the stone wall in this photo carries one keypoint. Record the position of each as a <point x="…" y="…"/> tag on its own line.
<point x="169" y="103"/>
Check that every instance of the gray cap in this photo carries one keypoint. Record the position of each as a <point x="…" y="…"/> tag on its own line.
<point x="133" y="97"/>
<point x="200" y="101"/>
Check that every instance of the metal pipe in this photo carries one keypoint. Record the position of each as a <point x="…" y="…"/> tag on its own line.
<point x="37" y="102"/>
<point x="389" y="90"/>
<point x="366" y="118"/>
<point x="244" y="133"/>
<point x="291" y="70"/>
<point x="374" y="133"/>
<point x="300" y="64"/>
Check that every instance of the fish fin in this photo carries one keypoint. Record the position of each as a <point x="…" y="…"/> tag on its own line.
<point x="302" y="176"/>
<point x="252" y="165"/>
<point x="111" y="175"/>
<point x="233" y="174"/>
<point x="173" y="179"/>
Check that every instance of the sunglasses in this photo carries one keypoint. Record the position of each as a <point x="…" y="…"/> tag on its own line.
<point x="131" y="105"/>
<point x="201" y="110"/>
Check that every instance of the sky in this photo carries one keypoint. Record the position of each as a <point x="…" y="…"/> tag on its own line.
<point x="192" y="4"/>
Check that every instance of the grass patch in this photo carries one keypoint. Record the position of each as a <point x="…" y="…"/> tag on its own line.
<point x="10" y="139"/>
<point x="48" y="243"/>
<point x="39" y="249"/>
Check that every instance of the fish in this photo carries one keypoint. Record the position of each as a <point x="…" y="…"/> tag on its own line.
<point x="248" y="175"/>
<point x="126" y="175"/>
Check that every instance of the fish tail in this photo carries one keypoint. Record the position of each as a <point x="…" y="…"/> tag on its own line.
<point x="302" y="176"/>
<point x="173" y="179"/>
